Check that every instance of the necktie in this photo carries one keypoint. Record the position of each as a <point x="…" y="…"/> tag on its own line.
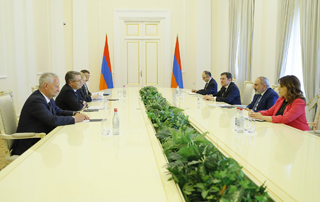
<point x="256" y="103"/>
<point x="76" y="95"/>
<point x="50" y="107"/>
<point x="85" y="86"/>
<point x="205" y="87"/>
<point x="223" y="90"/>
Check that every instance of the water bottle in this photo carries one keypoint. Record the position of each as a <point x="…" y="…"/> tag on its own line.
<point x="241" y="122"/>
<point x="115" y="122"/>
<point x="236" y="122"/>
<point x="124" y="91"/>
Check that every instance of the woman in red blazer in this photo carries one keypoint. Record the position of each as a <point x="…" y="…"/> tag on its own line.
<point x="290" y="106"/>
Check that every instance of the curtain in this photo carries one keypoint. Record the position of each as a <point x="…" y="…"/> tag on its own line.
<point x="234" y="18"/>
<point x="309" y="33"/>
<point x="241" y="14"/>
<point x="285" y="19"/>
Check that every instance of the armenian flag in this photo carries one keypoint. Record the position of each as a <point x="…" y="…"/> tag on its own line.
<point x="106" y="72"/>
<point x="176" y="79"/>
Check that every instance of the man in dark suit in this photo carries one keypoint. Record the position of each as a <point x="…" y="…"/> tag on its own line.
<point x="210" y="87"/>
<point x="68" y="98"/>
<point x="40" y="113"/>
<point x="81" y="92"/>
<point x="85" y="90"/>
<point x="229" y="91"/>
<point x="264" y="97"/>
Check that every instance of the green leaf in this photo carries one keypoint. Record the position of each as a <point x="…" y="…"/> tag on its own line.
<point x="224" y="200"/>
<point x="261" y="198"/>
<point x="235" y="196"/>
<point x="216" y="181"/>
<point x="244" y="183"/>
<point x="214" y="189"/>
<point x="200" y="185"/>
<point x="174" y="156"/>
<point x="232" y="189"/>
<point x="188" y="189"/>
<point x="194" y="162"/>
<point x="223" y="173"/>
<point x="204" y="194"/>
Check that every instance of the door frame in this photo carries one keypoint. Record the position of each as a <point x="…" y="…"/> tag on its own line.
<point x="164" y="16"/>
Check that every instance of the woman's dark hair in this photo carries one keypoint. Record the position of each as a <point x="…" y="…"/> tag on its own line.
<point x="293" y="88"/>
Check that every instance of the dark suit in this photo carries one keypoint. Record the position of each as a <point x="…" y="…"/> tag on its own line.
<point x="85" y="90"/>
<point x="209" y="88"/>
<point x="231" y="95"/>
<point x="83" y="96"/>
<point x="37" y="116"/>
<point x="266" y="102"/>
<point x="68" y="99"/>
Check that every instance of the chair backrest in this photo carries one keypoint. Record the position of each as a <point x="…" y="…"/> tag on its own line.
<point x="8" y="119"/>
<point x="316" y="121"/>
<point x="275" y="88"/>
<point x="248" y="93"/>
<point x="34" y="88"/>
<point x="311" y="108"/>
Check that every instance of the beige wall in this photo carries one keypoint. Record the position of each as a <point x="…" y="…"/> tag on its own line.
<point x="183" y="15"/>
<point x="100" y="22"/>
<point x="37" y="41"/>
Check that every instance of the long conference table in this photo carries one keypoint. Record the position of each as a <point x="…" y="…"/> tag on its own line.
<point x="76" y="163"/>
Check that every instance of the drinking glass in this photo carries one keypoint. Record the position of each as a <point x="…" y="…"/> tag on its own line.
<point x="199" y="100"/>
<point x="105" y="104"/>
<point x="249" y="125"/>
<point x="105" y="129"/>
<point x="252" y="128"/>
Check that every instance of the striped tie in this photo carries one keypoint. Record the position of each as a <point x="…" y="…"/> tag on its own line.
<point x="256" y="103"/>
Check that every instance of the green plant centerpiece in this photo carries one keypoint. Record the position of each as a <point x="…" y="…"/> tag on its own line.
<point x="202" y="172"/>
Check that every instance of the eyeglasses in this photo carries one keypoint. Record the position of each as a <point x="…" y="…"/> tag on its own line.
<point x="77" y="80"/>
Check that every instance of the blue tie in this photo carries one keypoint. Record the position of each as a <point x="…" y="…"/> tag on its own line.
<point x="50" y="107"/>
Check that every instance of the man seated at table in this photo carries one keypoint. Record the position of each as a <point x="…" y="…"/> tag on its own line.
<point x="87" y="94"/>
<point x="68" y="98"/>
<point x="40" y="113"/>
<point x="210" y="87"/>
<point x="80" y="92"/>
<point x="229" y="91"/>
<point x="264" y="97"/>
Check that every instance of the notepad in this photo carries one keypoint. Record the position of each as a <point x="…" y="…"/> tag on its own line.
<point x="95" y="120"/>
<point x="91" y="110"/>
<point x="218" y="105"/>
<point x="96" y="107"/>
<point x="83" y="121"/>
<point x="113" y="99"/>
<point x="227" y="106"/>
<point x="259" y="120"/>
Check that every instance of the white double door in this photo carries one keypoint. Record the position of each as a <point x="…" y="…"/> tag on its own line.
<point x="140" y="52"/>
